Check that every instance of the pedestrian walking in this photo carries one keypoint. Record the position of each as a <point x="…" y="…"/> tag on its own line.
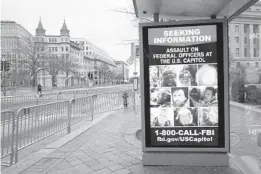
<point x="39" y="89"/>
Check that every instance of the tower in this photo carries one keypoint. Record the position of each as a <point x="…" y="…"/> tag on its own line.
<point x="64" y="31"/>
<point x="40" y="31"/>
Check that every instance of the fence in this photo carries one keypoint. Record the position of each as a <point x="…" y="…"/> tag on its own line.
<point x="34" y="123"/>
<point x="16" y="102"/>
<point x="7" y="136"/>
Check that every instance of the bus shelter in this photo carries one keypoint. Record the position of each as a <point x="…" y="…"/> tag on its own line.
<point x="195" y="39"/>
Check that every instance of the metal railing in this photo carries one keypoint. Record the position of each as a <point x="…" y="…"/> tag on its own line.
<point x="34" y="123"/>
<point x="16" y="102"/>
<point x="38" y="122"/>
<point x="8" y="137"/>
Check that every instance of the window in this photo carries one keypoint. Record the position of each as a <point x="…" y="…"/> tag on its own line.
<point x="245" y="40"/>
<point x="62" y="48"/>
<point x="254" y="41"/>
<point x="247" y="64"/>
<point x="67" y="48"/>
<point x="246" y="28"/>
<point x="254" y="52"/>
<point x="236" y="28"/>
<point x="256" y="64"/>
<point x="56" y="49"/>
<point x="237" y="39"/>
<point x="50" y="40"/>
<point x="255" y="28"/>
<point x="50" y="49"/>
<point x="237" y="52"/>
<point x="245" y="52"/>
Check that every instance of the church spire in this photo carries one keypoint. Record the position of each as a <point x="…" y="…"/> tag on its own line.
<point x="64" y="31"/>
<point x="40" y="30"/>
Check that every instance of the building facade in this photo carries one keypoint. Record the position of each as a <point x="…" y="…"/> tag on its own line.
<point x="245" y="38"/>
<point x="17" y="44"/>
<point x="62" y="59"/>
<point x="99" y="62"/>
<point x="121" y="72"/>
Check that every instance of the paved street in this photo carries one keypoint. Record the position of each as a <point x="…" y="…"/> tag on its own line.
<point x="111" y="147"/>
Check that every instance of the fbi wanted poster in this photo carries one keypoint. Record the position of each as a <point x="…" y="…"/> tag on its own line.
<point x="183" y="86"/>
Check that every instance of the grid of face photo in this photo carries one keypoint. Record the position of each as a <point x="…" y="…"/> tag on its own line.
<point x="183" y="95"/>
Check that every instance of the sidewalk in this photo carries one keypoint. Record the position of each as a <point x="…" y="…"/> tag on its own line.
<point x="109" y="147"/>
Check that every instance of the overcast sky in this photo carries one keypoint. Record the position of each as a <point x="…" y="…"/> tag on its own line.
<point x="93" y="20"/>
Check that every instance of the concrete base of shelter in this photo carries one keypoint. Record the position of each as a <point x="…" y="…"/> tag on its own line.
<point x="185" y="159"/>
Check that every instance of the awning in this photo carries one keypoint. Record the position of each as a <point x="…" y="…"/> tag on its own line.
<point x="191" y="9"/>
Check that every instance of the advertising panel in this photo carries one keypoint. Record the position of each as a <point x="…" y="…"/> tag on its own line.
<point x="184" y="86"/>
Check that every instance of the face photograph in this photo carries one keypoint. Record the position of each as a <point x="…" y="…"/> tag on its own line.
<point x="160" y="97"/>
<point x="208" y="116"/>
<point x="161" y="117"/>
<point x="203" y="96"/>
<point x="207" y="75"/>
<point x="180" y="97"/>
<point x="187" y="75"/>
<point x="154" y="76"/>
<point x="169" y="76"/>
<point x="185" y="117"/>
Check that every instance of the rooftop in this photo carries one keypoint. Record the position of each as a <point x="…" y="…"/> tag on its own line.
<point x="191" y="9"/>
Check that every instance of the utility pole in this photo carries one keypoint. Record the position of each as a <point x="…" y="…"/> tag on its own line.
<point x="135" y="74"/>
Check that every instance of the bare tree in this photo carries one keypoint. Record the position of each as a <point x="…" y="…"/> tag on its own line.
<point x="32" y="56"/>
<point x="5" y="78"/>
<point x="103" y="70"/>
<point x="53" y="65"/>
<point x="68" y="67"/>
<point x="119" y="77"/>
<point x="130" y="11"/>
<point x="110" y="75"/>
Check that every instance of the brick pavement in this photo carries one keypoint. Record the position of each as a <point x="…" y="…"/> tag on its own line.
<point x="110" y="147"/>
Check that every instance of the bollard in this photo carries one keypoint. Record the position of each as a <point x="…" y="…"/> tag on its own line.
<point x="125" y="99"/>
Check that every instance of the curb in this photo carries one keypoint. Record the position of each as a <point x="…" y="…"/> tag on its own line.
<point x="32" y="159"/>
<point x="243" y="106"/>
